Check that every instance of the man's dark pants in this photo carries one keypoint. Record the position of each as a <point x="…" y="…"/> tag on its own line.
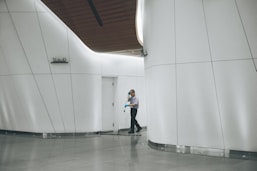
<point x="133" y="113"/>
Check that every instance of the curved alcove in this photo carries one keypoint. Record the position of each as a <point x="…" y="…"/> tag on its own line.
<point x="65" y="97"/>
<point x="201" y="74"/>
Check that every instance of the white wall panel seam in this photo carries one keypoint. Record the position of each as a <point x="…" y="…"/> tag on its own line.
<point x="128" y="76"/>
<point x="22" y="12"/>
<point x="247" y="40"/>
<point x="232" y="60"/>
<point x="217" y="61"/>
<point x="72" y="91"/>
<point x="225" y="30"/>
<point x="198" y="62"/>
<point x="43" y="101"/>
<point x="19" y="38"/>
<point x="87" y="74"/>
<point x="14" y="74"/>
<point x="47" y="56"/>
<point x="214" y="79"/>
<point x="176" y="70"/>
<point x="158" y="65"/>
<point x="44" y="42"/>
<point x="175" y="35"/>
<point x="28" y="29"/>
<point x="58" y="101"/>
<point x="12" y="22"/>
<point x="77" y="73"/>
<point x="177" y="116"/>
<point x="29" y="65"/>
<point x="181" y="63"/>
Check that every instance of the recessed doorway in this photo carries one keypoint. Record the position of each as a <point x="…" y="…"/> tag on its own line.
<point x="108" y="103"/>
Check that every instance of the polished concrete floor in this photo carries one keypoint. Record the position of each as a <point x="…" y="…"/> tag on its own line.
<point x="103" y="153"/>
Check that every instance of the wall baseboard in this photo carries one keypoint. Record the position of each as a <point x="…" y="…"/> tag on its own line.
<point x="247" y="155"/>
<point x="48" y="135"/>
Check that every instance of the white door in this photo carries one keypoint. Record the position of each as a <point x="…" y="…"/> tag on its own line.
<point x="107" y="104"/>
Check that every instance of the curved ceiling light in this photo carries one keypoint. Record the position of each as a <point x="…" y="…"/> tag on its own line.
<point x="139" y="21"/>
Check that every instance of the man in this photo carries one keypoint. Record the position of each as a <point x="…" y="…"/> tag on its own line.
<point x="134" y="104"/>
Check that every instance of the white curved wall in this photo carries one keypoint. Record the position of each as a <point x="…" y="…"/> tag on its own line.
<point x="200" y="75"/>
<point x="37" y="96"/>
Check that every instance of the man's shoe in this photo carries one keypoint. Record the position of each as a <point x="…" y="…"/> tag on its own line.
<point x="131" y="132"/>
<point x="139" y="129"/>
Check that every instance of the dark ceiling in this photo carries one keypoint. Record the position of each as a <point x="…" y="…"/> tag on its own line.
<point x="103" y="25"/>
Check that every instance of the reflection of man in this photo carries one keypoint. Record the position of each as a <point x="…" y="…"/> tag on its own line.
<point x="133" y="153"/>
<point x="134" y="104"/>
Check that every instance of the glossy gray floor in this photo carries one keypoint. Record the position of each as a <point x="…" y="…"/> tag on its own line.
<point x="103" y="153"/>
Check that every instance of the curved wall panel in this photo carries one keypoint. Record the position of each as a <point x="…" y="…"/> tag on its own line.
<point x="38" y="96"/>
<point x="248" y="13"/>
<point x="226" y="34"/>
<point x="163" y="47"/>
<point x="161" y="104"/>
<point x="237" y="94"/>
<point x="87" y="97"/>
<point x="15" y="59"/>
<point x="19" y="6"/>
<point x="207" y="98"/>
<point x="33" y="104"/>
<point x="63" y="89"/>
<point x="190" y="32"/>
<point x="198" y="114"/>
<point x="83" y="60"/>
<point x="48" y="92"/>
<point x="3" y="65"/>
<point x="32" y="41"/>
<point x="3" y="6"/>
<point x="52" y="31"/>
<point x="10" y="105"/>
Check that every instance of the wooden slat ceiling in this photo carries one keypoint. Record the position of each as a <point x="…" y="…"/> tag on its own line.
<point x="118" y="32"/>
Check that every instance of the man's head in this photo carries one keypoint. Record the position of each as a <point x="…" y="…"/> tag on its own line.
<point x="132" y="92"/>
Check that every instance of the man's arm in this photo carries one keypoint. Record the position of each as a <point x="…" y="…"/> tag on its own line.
<point x="132" y="105"/>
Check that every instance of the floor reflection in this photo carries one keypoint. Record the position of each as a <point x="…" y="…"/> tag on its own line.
<point x="103" y="153"/>
<point x="133" y="152"/>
